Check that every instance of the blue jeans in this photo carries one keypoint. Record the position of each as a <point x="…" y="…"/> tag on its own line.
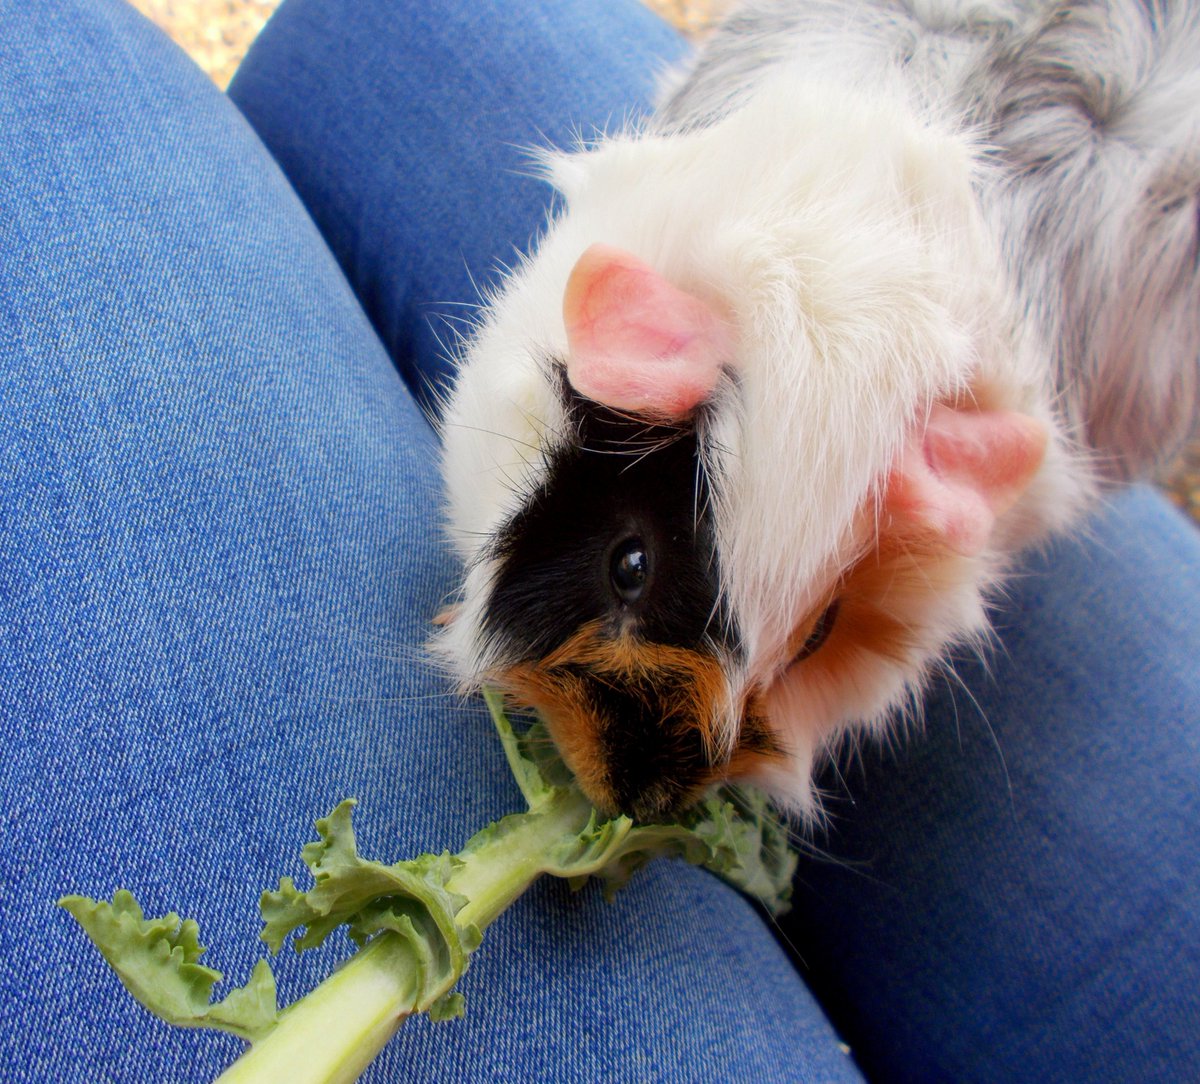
<point x="220" y="550"/>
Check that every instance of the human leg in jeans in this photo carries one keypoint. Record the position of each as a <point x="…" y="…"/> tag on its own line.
<point x="1015" y="893"/>
<point x="220" y="550"/>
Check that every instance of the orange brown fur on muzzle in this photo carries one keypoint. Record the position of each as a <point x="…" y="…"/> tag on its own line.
<point x="643" y="726"/>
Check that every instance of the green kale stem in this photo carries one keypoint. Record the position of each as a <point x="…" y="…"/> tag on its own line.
<point x="334" y="1032"/>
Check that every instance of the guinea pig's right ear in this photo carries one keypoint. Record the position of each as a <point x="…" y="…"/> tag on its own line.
<point x="636" y="342"/>
<point x="961" y="471"/>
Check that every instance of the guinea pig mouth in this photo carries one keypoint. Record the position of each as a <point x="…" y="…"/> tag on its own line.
<point x="643" y="727"/>
<point x="652" y="764"/>
<point x="630" y="750"/>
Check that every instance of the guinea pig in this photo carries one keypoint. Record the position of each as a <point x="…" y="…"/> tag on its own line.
<point x="739" y="454"/>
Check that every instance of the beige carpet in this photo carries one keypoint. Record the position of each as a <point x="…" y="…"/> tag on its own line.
<point x="217" y="33"/>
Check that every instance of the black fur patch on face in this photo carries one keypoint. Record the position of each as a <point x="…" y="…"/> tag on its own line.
<point x="625" y="504"/>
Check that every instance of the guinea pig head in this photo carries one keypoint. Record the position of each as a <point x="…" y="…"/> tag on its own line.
<point x="732" y="498"/>
<point x="605" y="601"/>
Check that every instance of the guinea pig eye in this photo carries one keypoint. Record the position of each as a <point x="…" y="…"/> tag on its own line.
<point x="820" y="632"/>
<point x="628" y="568"/>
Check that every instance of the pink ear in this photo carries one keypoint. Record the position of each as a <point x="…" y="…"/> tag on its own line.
<point x="636" y="342"/>
<point x="962" y="471"/>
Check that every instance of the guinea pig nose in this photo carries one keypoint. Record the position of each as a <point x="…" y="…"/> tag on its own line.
<point x="655" y="762"/>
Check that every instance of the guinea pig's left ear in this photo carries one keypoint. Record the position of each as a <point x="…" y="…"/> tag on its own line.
<point x="638" y="343"/>
<point x="958" y="473"/>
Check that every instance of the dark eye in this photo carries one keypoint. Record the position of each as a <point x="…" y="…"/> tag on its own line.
<point x="820" y="632"/>
<point x="628" y="568"/>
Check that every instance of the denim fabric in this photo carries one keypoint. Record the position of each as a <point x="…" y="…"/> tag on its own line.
<point x="1015" y="895"/>
<point x="379" y="110"/>
<point x="219" y="553"/>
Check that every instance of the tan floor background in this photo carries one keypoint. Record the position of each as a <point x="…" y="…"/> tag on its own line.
<point x="217" y="33"/>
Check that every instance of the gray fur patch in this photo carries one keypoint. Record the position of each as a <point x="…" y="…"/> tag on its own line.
<point x="1090" y="110"/>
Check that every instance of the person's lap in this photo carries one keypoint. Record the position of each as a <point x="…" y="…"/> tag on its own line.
<point x="974" y="875"/>
<point x="219" y="556"/>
